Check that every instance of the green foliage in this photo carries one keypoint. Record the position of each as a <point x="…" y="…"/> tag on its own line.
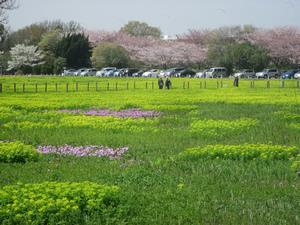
<point x="221" y="127"/>
<point x="59" y="64"/>
<point x="75" y="48"/>
<point x="11" y="152"/>
<point x="29" y="35"/>
<point x="155" y="187"/>
<point x="242" y="152"/>
<point x="233" y="55"/>
<point x="109" y="54"/>
<point x="55" y="202"/>
<point x="47" y="67"/>
<point x="49" y="41"/>
<point x="136" y="28"/>
<point x="41" y="31"/>
<point x="296" y="164"/>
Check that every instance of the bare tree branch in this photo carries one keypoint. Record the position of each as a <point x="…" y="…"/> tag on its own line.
<point x="6" y="5"/>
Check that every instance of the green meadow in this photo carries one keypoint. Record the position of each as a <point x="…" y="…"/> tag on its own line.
<point x="217" y="154"/>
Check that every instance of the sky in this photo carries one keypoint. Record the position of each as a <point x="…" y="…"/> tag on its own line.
<point x="171" y="16"/>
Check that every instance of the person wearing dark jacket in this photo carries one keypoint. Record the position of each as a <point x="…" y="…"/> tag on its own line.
<point x="168" y="83"/>
<point x="236" y="82"/>
<point x="160" y="83"/>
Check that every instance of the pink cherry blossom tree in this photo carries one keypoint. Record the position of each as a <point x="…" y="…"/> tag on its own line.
<point x="283" y="43"/>
<point x="152" y="51"/>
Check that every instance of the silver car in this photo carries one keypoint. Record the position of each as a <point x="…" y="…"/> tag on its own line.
<point x="78" y="72"/>
<point x="245" y="73"/>
<point x="104" y="71"/>
<point x="88" y="72"/>
<point x="268" y="73"/>
<point x="69" y="72"/>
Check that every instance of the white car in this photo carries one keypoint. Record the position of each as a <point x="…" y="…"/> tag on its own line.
<point x="170" y="72"/>
<point x="216" y="72"/>
<point x="78" y="72"/>
<point x="201" y="74"/>
<point x="151" y="73"/>
<point x="69" y="72"/>
<point x="119" y="72"/>
<point x="268" y="73"/>
<point x="245" y="73"/>
<point x="297" y="75"/>
<point x="88" y="72"/>
<point x="104" y="71"/>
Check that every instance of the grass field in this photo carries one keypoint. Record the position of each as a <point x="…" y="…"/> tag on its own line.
<point x="156" y="185"/>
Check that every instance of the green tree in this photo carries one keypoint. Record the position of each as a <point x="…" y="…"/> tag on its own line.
<point x="59" y="65"/>
<point x="109" y="54"/>
<point x="47" y="67"/>
<point x="234" y="55"/>
<point x="49" y="41"/>
<point x="75" y="48"/>
<point x="136" y="28"/>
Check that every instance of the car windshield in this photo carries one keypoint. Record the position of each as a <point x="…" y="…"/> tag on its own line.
<point x="210" y="70"/>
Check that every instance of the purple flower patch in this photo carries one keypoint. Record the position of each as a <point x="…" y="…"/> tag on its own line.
<point x="127" y="113"/>
<point x="81" y="151"/>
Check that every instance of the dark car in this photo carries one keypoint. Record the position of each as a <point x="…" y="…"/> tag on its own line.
<point x="130" y="71"/>
<point x="289" y="74"/>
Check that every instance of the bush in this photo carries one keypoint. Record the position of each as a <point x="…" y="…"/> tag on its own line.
<point x="242" y="152"/>
<point x="17" y="152"/>
<point x="55" y="203"/>
<point x="296" y="164"/>
<point x="211" y="127"/>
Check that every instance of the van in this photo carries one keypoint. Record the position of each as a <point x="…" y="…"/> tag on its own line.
<point x="216" y="72"/>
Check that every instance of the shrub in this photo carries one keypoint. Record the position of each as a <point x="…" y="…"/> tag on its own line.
<point x="242" y="152"/>
<point x="296" y="164"/>
<point x="17" y="152"/>
<point x="53" y="202"/>
<point x="211" y="127"/>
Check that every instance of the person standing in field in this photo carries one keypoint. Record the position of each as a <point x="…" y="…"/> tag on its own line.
<point x="168" y="83"/>
<point x="236" y="81"/>
<point x="160" y="83"/>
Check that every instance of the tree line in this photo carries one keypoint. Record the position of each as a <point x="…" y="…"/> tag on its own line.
<point x="50" y="46"/>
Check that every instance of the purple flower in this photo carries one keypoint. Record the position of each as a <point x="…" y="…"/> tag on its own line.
<point x="127" y="113"/>
<point x="81" y="151"/>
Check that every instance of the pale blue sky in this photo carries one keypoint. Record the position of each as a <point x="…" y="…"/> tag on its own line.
<point x="171" y="16"/>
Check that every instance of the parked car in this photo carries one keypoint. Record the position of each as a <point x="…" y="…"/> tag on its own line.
<point x="69" y="72"/>
<point x="130" y="71"/>
<point x="216" y="72"/>
<point x="79" y="71"/>
<point x="88" y="72"/>
<point x="289" y="74"/>
<point x="103" y="71"/>
<point x="119" y="72"/>
<point x="110" y="72"/>
<point x="170" y="72"/>
<point x="185" y="73"/>
<point x="201" y="74"/>
<point x="268" y="73"/>
<point x="297" y="75"/>
<point x="138" y="73"/>
<point x="151" y="73"/>
<point x="245" y="73"/>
